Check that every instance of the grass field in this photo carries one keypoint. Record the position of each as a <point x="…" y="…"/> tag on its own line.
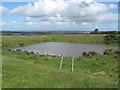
<point x="14" y="41"/>
<point x="23" y="70"/>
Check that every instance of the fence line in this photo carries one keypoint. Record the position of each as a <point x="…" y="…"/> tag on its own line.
<point x="61" y="62"/>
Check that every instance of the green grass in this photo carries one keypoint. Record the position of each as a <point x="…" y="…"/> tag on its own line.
<point x="21" y="70"/>
<point x="14" y="41"/>
<point x="0" y="71"/>
<point x="33" y="71"/>
<point x="0" y="62"/>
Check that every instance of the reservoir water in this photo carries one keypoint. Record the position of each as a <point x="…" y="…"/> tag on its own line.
<point x="65" y="49"/>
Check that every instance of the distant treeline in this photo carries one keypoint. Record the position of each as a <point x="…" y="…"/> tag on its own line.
<point x="110" y="32"/>
<point x="112" y="37"/>
<point x="96" y="31"/>
<point x="56" y="32"/>
<point x="40" y="32"/>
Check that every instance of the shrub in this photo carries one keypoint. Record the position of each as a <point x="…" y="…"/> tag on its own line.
<point x="95" y="31"/>
<point x="21" y="44"/>
<point x="93" y="53"/>
<point x="85" y="54"/>
<point x="9" y="50"/>
<point x="28" y="53"/>
<point x="18" y="50"/>
<point x="32" y="52"/>
<point x="108" y="51"/>
<point x="117" y="52"/>
<point x="111" y="38"/>
<point x="89" y="54"/>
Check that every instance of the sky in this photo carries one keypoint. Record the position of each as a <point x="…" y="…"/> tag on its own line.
<point x="56" y="15"/>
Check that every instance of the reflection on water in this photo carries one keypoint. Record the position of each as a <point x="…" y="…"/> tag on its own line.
<point x="65" y="49"/>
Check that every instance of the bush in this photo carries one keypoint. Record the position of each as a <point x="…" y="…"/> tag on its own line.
<point x="111" y="38"/>
<point x="93" y="53"/>
<point x="95" y="31"/>
<point x="26" y="52"/>
<point x="9" y="50"/>
<point x="89" y="54"/>
<point x="32" y="52"/>
<point x="108" y="51"/>
<point x="21" y="44"/>
<point x="85" y="54"/>
<point x="117" y="52"/>
<point x="18" y="50"/>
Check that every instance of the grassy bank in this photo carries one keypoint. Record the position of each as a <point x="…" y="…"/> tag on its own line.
<point x="14" y="41"/>
<point x="23" y="70"/>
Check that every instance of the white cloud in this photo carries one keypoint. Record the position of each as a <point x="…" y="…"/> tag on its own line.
<point x="27" y="19"/>
<point x="44" y="23"/>
<point x="115" y="27"/>
<point x="3" y="23"/>
<point x="73" y="23"/>
<point x="56" y="17"/>
<point x="84" y="23"/>
<point x="14" y="22"/>
<point x="105" y="18"/>
<point x="3" y="10"/>
<point x="62" y="23"/>
<point x="78" y="11"/>
<point x="30" y="23"/>
<point x="38" y="23"/>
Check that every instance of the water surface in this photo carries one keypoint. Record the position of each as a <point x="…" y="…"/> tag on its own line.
<point x="65" y="49"/>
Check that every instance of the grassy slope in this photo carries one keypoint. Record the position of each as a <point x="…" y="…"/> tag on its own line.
<point x="0" y="63"/>
<point x="22" y="70"/>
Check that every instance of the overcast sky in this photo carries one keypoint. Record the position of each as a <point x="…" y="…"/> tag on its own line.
<point x="77" y="15"/>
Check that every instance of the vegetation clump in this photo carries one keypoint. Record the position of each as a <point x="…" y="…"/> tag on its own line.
<point x="111" y="39"/>
<point x="117" y="52"/>
<point x="21" y="44"/>
<point x="89" y="54"/>
<point x="96" y="31"/>
<point x="32" y="52"/>
<point x="108" y="51"/>
<point x="9" y="50"/>
<point x="85" y="54"/>
<point x="18" y="50"/>
<point x="26" y="52"/>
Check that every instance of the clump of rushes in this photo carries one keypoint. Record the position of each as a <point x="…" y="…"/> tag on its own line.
<point x="21" y="44"/>
<point x="108" y="51"/>
<point x="9" y="50"/>
<point x="32" y="52"/>
<point x="85" y="54"/>
<point x="18" y="50"/>
<point x="117" y="52"/>
<point x="26" y="52"/>
<point x="89" y="54"/>
<point x="93" y="53"/>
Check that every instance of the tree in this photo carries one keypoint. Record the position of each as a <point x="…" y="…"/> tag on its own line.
<point x="96" y="31"/>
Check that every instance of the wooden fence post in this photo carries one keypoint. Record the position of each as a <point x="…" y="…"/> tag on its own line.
<point x="61" y="63"/>
<point x="72" y="63"/>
